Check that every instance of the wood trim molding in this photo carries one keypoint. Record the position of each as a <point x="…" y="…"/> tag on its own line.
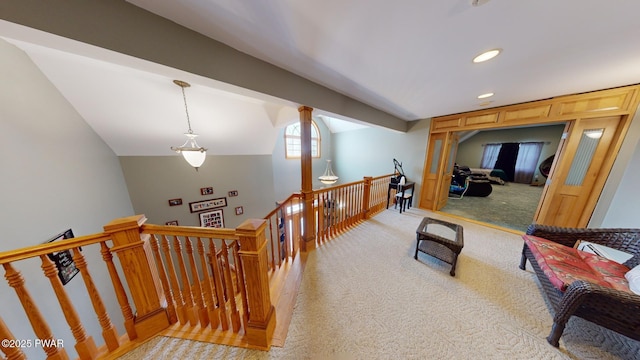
<point x="611" y="102"/>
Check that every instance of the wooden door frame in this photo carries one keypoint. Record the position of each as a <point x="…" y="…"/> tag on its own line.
<point x="621" y="102"/>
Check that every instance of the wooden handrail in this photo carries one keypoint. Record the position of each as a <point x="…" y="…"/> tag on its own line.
<point x="172" y="279"/>
<point x="191" y="231"/>
<point x="45" y="249"/>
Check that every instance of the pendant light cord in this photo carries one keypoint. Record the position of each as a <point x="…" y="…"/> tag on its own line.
<point x="186" y="110"/>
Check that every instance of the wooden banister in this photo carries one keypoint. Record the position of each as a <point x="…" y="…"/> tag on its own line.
<point x="168" y="294"/>
<point x="173" y="278"/>
<point x="207" y="290"/>
<point x="219" y="287"/>
<point x="38" y="323"/>
<point x="12" y="352"/>
<point x="140" y="271"/>
<point x="203" y="317"/>
<point x="253" y="253"/>
<point x="108" y="330"/>
<point x="190" y="308"/>
<point x="85" y="346"/>
<point x="121" y="295"/>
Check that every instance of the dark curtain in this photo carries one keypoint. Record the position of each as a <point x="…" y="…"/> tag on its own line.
<point x="507" y="159"/>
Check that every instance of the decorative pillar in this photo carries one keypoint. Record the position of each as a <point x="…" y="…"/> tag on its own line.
<point x="309" y="233"/>
<point x="253" y="254"/>
<point x="136" y="258"/>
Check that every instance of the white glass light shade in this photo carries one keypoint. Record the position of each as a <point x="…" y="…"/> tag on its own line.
<point x="328" y="177"/>
<point x="191" y="151"/>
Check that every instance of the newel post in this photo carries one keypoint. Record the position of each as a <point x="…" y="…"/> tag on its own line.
<point x="253" y="254"/>
<point x="309" y="233"/>
<point x="365" y="196"/>
<point x="136" y="258"/>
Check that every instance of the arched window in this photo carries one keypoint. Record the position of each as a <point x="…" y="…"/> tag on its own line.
<point x="293" y="141"/>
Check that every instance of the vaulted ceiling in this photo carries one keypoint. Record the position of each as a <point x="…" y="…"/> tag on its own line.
<point x="409" y="59"/>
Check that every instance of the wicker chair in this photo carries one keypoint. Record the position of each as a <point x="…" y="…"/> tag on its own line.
<point x="610" y="308"/>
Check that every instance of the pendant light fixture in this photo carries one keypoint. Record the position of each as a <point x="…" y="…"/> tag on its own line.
<point x="190" y="150"/>
<point x="328" y="177"/>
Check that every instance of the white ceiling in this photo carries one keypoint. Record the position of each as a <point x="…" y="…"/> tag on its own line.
<point x="411" y="59"/>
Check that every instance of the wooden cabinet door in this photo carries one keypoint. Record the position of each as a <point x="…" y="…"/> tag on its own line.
<point x="576" y="181"/>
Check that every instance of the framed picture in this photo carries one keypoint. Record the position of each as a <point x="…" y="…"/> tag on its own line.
<point x="213" y="218"/>
<point x="172" y="222"/>
<point x="175" y="202"/>
<point x="233" y="193"/>
<point x="203" y="205"/>
<point x="239" y="210"/>
<point x="206" y="191"/>
<point x="63" y="259"/>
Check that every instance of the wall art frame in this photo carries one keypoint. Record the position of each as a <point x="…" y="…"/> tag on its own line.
<point x="175" y="202"/>
<point x="213" y="218"/>
<point x="208" y="204"/>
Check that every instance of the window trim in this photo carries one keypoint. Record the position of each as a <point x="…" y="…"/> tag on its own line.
<point x="299" y="139"/>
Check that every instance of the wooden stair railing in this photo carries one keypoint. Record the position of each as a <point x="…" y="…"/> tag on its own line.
<point x="44" y="339"/>
<point x="189" y="280"/>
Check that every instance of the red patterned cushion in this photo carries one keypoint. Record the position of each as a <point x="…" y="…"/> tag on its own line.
<point x="564" y="265"/>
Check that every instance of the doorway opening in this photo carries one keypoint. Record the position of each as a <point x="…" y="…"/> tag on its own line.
<point x="512" y="203"/>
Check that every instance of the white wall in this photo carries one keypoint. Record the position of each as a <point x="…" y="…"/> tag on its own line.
<point x="153" y="180"/>
<point x="619" y="204"/>
<point x="370" y="152"/>
<point x="56" y="174"/>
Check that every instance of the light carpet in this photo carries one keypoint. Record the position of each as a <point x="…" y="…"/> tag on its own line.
<point x="363" y="296"/>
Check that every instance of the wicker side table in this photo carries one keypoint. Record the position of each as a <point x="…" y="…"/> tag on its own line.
<point x="444" y="245"/>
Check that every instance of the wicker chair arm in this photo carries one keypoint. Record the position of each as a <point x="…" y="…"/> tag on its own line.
<point x="582" y="294"/>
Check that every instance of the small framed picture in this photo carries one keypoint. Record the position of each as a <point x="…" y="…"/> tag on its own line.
<point x="175" y="202"/>
<point x="239" y="210"/>
<point x="233" y="193"/>
<point x="213" y="218"/>
<point x="206" y="191"/>
<point x="172" y="222"/>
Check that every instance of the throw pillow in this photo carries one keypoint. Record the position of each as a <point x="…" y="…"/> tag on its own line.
<point x="633" y="277"/>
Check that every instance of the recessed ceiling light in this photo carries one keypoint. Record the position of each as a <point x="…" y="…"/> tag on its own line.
<point x="487" y="55"/>
<point x="484" y="96"/>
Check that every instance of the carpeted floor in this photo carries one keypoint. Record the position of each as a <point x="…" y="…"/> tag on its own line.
<point x="511" y="206"/>
<point x="363" y="296"/>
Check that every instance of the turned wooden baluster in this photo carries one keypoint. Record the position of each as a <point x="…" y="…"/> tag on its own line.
<point x="273" y="240"/>
<point x="39" y="325"/>
<point x="121" y="294"/>
<point x="231" y="296"/>
<point x="85" y="345"/>
<point x="13" y="352"/>
<point x="109" y="333"/>
<point x="186" y="286"/>
<point x="217" y="280"/>
<point x="207" y="291"/>
<point x="323" y="220"/>
<point x="171" y="309"/>
<point x="181" y="311"/>
<point x="241" y="282"/>
<point x="197" y="285"/>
